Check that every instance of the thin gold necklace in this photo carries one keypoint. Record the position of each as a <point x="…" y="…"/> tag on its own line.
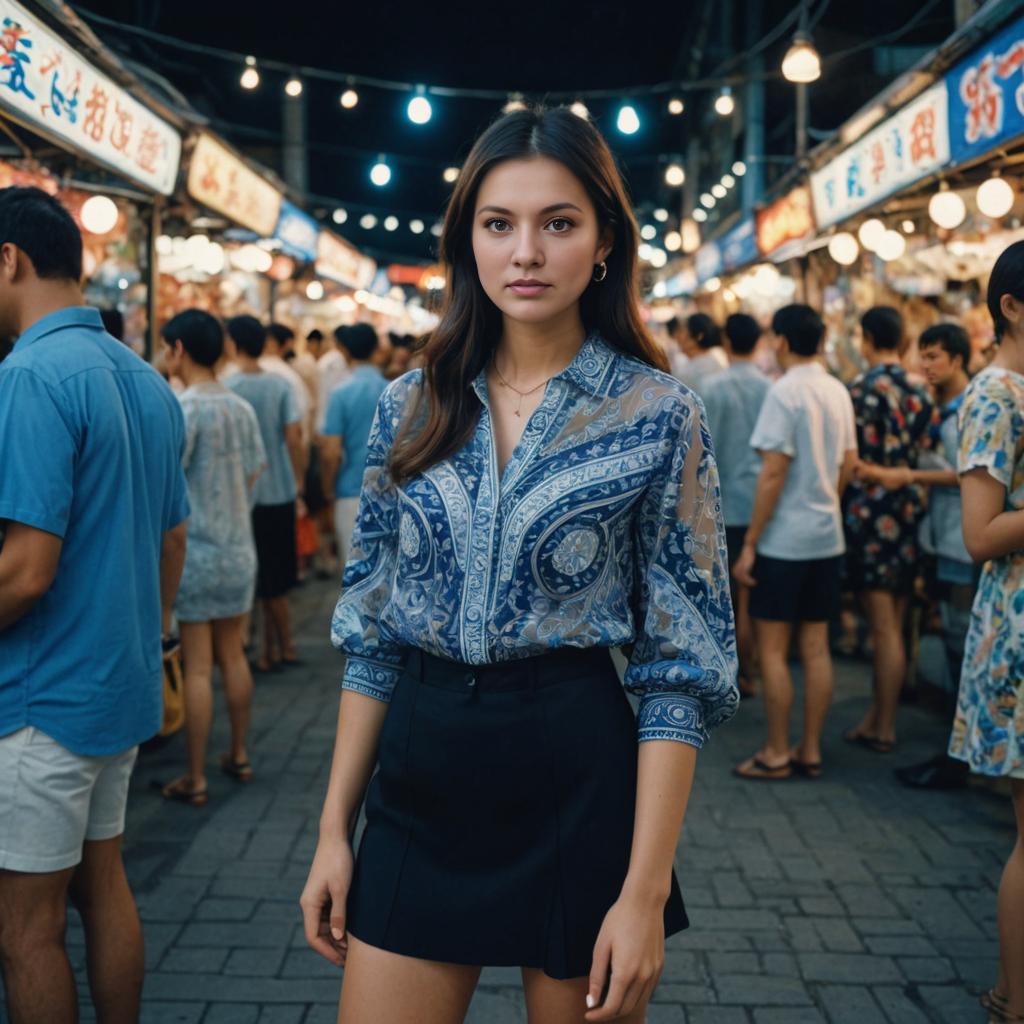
<point x="512" y="387"/>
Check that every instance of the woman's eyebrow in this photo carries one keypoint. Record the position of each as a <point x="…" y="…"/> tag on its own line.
<point x="547" y="209"/>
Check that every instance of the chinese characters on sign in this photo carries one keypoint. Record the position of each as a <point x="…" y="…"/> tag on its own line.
<point x="986" y="95"/>
<point x="788" y="219"/>
<point x="341" y="262"/>
<point x="49" y="86"/>
<point x="225" y="183"/>
<point x="908" y="146"/>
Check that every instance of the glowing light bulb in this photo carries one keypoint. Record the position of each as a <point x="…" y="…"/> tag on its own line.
<point x="580" y="110"/>
<point x="994" y="198"/>
<point x="314" y="291"/>
<point x="99" y="215"/>
<point x="675" y="106"/>
<point x="801" y="63"/>
<point x="368" y="222"/>
<point x="843" y="248"/>
<point x="648" y="232"/>
<point x="416" y="227"/>
<point x="419" y="110"/>
<point x="293" y="87"/>
<point x="390" y="223"/>
<point x="380" y="174"/>
<point x="674" y="175"/>
<point x="724" y="103"/>
<point x="739" y="168"/>
<point x="947" y="209"/>
<point x="871" y="233"/>
<point x="250" y="76"/>
<point x="673" y="241"/>
<point x="451" y="174"/>
<point x="628" y="122"/>
<point x="339" y="216"/>
<point x="892" y="246"/>
<point x="719" y="191"/>
<point x="349" y="98"/>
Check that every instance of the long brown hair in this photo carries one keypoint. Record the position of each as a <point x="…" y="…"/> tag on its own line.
<point x="470" y="325"/>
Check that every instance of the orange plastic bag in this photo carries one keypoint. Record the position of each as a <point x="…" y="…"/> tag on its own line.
<point x="307" y="537"/>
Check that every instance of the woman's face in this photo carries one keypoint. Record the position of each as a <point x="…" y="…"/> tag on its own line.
<point x="535" y="238"/>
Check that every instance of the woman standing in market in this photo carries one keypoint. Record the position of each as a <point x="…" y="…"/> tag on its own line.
<point x="988" y="731"/>
<point x="540" y="492"/>
<point x="223" y="457"/>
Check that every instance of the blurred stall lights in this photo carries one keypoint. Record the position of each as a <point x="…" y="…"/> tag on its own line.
<point x="891" y="246"/>
<point x="871" y="233"/>
<point x="580" y="110"/>
<point x="250" y="76"/>
<point x="843" y="248"/>
<point x="416" y="227"/>
<point x="368" y="221"/>
<point x="380" y="173"/>
<point x="675" y="106"/>
<point x="658" y="258"/>
<point x="648" y="232"/>
<point x="724" y="103"/>
<point x="712" y="284"/>
<point x="673" y="241"/>
<point x="349" y="98"/>
<point x="419" y="110"/>
<point x="391" y="223"/>
<point x="435" y="283"/>
<point x="674" y="175"/>
<point x="719" y="191"/>
<point x="908" y="227"/>
<point x="515" y="102"/>
<point x="728" y="180"/>
<point x="293" y="87"/>
<point x="99" y="215"/>
<point x="739" y="168"/>
<point x="436" y="229"/>
<point x="314" y="291"/>
<point x="451" y="174"/>
<point x="346" y="303"/>
<point x="801" y="63"/>
<point x="700" y="215"/>
<point x="628" y="121"/>
<point x="691" y="233"/>
<point x="660" y="289"/>
<point x="340" y="215"/>
<point x="661" y="215"/>
<point x="946" y="208"/>
<point x="995" y="197"/>
<point x="708" y="200"/>
<point x="644" y="251"/>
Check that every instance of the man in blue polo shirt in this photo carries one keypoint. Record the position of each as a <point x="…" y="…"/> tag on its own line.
<point x="92" y="504"/>
<point x="346" y="430"/>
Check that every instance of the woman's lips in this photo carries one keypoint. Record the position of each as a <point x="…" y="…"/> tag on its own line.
<point x="528" y="290"/>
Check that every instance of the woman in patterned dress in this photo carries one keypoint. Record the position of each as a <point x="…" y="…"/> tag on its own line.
<point x="894" y="417"/>
<point x="223" y="456"/>
<point x="540" y="492"/>
<point x="988" y="731"/>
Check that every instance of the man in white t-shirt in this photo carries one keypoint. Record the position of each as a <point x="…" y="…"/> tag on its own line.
<point x="272" y="361"/>
<point x="334" y="371"/>
<point x="792" y="552"/>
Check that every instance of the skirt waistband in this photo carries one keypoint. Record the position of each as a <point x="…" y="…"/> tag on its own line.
<point x="534" y="672"/>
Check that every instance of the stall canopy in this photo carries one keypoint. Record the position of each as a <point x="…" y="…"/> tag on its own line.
<point x="51" y="89"/>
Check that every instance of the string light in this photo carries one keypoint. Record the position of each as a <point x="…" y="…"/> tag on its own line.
<point x="340" y="215"/>
<point x="708" y="200"/>
<point x="314" y="291"/>
<point x="293" y="87"/>
<point x="451" y="175"/>
<point x="349" y="98"/>
<point x="843" y="248"/>
<point x="416" y="226"/>
<point x="515" y="102"/>
<point x="658" y="258"/>
<point x="673" y="241"/>
<point x="380" y="173"/>
<point x="700" y="215"/>
<point x="648" y="232"/>
<point x="801" y="63"/>
<point x="994" y="197"/>
<point x="728" y="180"/>
<point x="436" y="229"/>
<point x="250" y="76"/>
<point x="719" y="191"/>
<point x="724" y="103"/>
<point x="368" y="222"/>
<point x="419" y="110"/>
<point x="661" y="215"/>
<point x="580" y="110"/>
<point x="739" y="168"/>
<point x="99" y="215"/>
<point x="871" y="233"/>
<point x="892" y="246"/>
<point x="674" y="175"/>
<point x="391" y="223"/>
<point x="628" y="121"/>
<point x="946" y="208"/>
<point x="675" y="106"/>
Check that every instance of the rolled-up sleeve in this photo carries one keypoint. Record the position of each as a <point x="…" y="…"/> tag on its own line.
<point x="374" y="660"/>
<point x="683" y="664"/>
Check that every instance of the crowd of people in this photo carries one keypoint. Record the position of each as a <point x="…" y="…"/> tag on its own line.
<point x="901" y="484"/>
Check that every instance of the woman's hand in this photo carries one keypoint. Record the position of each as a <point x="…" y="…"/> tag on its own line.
<point x="632" y="944"/>
<point x="323" y="899"/>
<point x="743" y="570"/>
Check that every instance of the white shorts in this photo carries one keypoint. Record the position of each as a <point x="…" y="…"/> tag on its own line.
<point x="52" y="800"/>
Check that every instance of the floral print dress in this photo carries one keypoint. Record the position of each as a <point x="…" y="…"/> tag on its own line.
<point x="896" y="420"/>
<point x="988" y="731"/>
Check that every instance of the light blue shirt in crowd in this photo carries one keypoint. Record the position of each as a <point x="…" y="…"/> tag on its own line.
<point x="733" y="399"/>
<point x="349" y="416"/>
<point x="274" y="402"/>
<point x="603" y="530"/>
<point x="91" y="439"/>
<point x="941" y="529"/>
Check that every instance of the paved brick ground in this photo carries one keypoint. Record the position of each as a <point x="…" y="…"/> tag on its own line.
<point x="846" y="899"/>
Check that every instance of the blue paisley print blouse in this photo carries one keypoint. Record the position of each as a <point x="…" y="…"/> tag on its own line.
<point x="605" y="529"/>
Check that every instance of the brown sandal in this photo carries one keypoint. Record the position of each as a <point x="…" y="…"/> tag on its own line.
<point x="755" y="768"/>
<point x="241" y="771"/>
<point x="182" y="792"/>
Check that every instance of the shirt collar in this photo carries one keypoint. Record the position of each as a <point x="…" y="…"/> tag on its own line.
<point x="812" y="367"/>
<point x="70" y="316"/>
<point x="587" y="371"/>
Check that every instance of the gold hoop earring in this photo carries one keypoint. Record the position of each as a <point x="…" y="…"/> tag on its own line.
<point x="600" y="271"/>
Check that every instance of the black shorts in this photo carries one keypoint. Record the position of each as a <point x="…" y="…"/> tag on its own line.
<point x="796" y="591"/>
<point x="277" y="559"/>
<point x="500" y="820"/>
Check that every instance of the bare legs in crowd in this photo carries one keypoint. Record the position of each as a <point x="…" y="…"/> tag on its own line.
<point x="278" y="644"/>
<point x="39" y="983"/>
<point x="773" y="642"/>
<point x="1011" y="915"/>
<point x="886" y="613"/>
<point x="201" y="644"/>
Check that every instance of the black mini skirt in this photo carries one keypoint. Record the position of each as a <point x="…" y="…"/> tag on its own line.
<point x="499" y="821"/>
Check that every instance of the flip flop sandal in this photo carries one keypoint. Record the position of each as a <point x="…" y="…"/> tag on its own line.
<point x="993" y="1001"/>
<point x="872" y="743"/>
<point x="762" y="772"/>
<point x="241" y="771"/>
<point x="808" y="769"/>
<point x="180" y="792"/>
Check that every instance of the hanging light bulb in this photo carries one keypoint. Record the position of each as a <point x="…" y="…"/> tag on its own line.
<point x="843" y="248"/>
<point x="648" y="232"/>
<point x="700" y="215"/>
<point x="416" y="227"/>
<point x="451" y="174"/>
<point x="314" y="291"/>
<point x="293" y="87"/>
<point x="579" y="108"/>
<point x="515" y="102"/>
<point x="339" y="216"/>
<point x="391" y="223"/>
<point x="946" y="208"/>
<point x="908" y="227"/>
<point x="719" y="191"/>
<point x="892" y="246"/>
<point x="250" y="76"/>
<point x="368" y="222"/>
<point x="437" y="229"/>
<point x="419" y="110"/>
<point x="801" y="63"/>
<point x="661" y="215"/>
<point x="644" y="250"/>
<point x="739" y="168"/>
<point x="675" y="106"/>
<point x="628" y="122"/>
<point x="708" y="200"/>
<point x="674" y="175"/>
<point x="380" y="173"/>
<point x="994" y="197"/>
<point x="99" y="215"/>
<point x="870" y="234"/>
<point x="712" y="284"/>
<point x="658" y="258"/>
<point x="728" y="180"/>
<point x="673" y="241"/>
<point x="349" y="98"/>
<point x="724" y="103"/>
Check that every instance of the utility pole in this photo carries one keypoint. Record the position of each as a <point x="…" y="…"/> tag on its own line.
<point x="296" y="159"/>
<point x="752" y="188"/>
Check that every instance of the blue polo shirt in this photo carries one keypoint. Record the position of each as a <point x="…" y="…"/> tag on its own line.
<point x="349" y="416"/>
<point x="91" y="439"/>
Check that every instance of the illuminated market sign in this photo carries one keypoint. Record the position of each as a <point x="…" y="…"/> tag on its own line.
<point x="224" y="182"/>
<point x="739" y="246"/>
<point x="297" y="232"/>
<point x="789" y="219"/>
<point x="707" y="261"/>
<point x="341" y="262"/>
<point x="907" y="147"/>
<point x="52" y="89"/>
<point x="986" y="96"/>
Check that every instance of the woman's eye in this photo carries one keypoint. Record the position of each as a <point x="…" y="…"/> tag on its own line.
<point x="560" y="225"/>
<point x="496" y="224"/>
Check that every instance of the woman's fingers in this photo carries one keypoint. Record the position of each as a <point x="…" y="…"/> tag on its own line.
<point x="312" y="903"/>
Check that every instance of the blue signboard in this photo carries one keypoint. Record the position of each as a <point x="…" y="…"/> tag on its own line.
<point x="708" y="261"/>
<point x="297" y="232"/>
<point x="986" y="96"/>
<point x="739" y="246"/>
